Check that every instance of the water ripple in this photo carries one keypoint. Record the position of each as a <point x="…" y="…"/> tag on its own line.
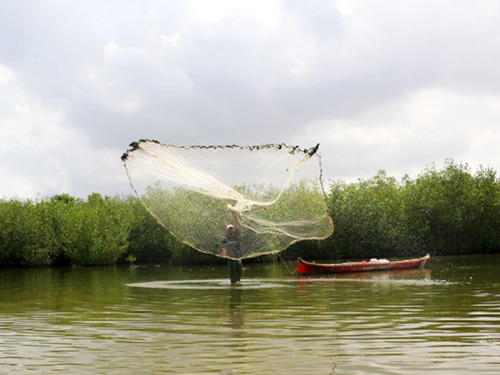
<point x="414" y="323"/>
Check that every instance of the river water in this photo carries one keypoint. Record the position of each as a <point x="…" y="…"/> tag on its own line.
<point x="189" y="320"/>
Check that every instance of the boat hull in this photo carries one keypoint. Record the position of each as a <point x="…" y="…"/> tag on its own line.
<point x="307" y="268"/>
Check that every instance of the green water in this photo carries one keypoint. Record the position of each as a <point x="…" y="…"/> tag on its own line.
<point x="166" y="320"/>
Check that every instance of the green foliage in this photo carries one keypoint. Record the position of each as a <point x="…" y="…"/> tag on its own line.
<point x="99" y="231"/>
<point x="63" y="230"/>
<point x="29" y="233"/>
<point x="369" y="219"/>
<point x="131" y="259"/>
<point x="148" y="241"/>
<point x="454" y="212"/>
<point x="448" y="211"/>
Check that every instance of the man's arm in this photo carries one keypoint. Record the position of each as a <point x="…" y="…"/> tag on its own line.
<point x="238" y="224"/>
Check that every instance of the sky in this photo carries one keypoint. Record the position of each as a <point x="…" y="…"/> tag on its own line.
<point x="389" y="85"/>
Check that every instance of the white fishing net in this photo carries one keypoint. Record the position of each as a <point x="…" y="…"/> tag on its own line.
<point x="271" y="194"/>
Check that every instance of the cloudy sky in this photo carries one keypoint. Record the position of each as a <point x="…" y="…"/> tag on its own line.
<point x="394" y="85"/>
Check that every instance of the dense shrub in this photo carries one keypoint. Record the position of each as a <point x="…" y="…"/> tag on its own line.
<point x="369" y="219"/>
<point x="453" y="212"/>
<point x="448" y="211"/>
<point x="97" y="230"/>
<point x="63" y="230"/>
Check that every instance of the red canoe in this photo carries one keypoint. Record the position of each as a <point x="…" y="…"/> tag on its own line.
<point x="306" y="268"/>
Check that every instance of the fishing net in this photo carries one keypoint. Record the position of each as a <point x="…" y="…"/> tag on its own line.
<point x="272" y="195"/>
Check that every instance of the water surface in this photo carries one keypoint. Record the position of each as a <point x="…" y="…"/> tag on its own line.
<point x="190" y="320"/>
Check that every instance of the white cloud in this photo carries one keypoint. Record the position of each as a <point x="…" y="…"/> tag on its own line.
<point x="5" y="74"/>
<point x="42" y="154"/>
<point x="404" y="136"/>
<point x="380" y="85"/>
<point x="215" y="12"/>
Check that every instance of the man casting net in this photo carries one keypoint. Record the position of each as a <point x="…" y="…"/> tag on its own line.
<point x="274" y="191"/>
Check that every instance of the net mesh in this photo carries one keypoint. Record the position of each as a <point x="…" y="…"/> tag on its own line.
<point x="271" y="194"/>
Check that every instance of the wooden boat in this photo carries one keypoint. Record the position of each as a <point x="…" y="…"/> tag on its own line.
<point x="307" y="268"/>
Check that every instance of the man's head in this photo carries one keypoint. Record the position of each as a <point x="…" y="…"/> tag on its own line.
<point x="230" y="230"/>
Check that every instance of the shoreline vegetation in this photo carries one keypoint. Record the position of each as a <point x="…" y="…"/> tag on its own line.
<point x="450" y="211"/>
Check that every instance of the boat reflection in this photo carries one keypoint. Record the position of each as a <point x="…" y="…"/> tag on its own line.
<point x="416" y="274"/>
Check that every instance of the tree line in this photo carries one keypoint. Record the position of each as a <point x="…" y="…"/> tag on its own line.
<point x="444" y="211"/>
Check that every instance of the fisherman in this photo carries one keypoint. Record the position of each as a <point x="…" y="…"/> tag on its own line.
<point x="231" y="249"/>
